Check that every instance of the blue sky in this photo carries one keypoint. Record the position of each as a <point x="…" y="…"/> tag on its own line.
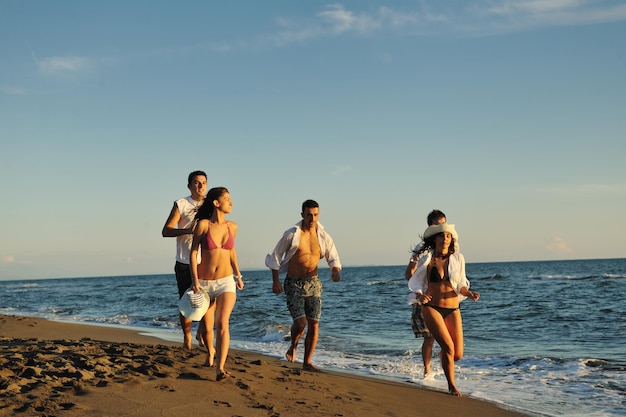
<point x="510" y="116"/>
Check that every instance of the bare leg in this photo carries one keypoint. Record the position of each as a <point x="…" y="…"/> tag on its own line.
<point x="200" y="334"/>
<point x="207" y="323"/>
<point x="312" y="334"/>
<point x="224" y="306"/>
<point x="297" y="330"/>
<point x="440" y="329"/>
<point x="185" y="324"/>
<point x="427" y="353"/>
<point x="454" y="324"/>
<point x="447" y="363"/>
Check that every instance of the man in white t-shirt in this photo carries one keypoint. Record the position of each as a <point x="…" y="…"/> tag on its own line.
<point x="180" y="224"/>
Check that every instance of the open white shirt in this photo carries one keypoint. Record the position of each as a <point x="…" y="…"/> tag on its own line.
<point x="287" y="246"/>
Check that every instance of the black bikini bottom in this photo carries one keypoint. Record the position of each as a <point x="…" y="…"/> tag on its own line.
<point x="444" y="311"/>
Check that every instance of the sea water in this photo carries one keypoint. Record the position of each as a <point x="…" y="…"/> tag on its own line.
<point x="545" y="338"/>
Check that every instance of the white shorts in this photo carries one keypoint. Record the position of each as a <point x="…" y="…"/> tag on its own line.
<point x="217" y="287"/>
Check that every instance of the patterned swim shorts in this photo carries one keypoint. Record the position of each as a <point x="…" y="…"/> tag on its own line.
<point x="417" y="322"/>
<point x="304" y="297"/>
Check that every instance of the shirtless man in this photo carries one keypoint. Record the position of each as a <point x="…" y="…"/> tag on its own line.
<point x="298" y="253"/>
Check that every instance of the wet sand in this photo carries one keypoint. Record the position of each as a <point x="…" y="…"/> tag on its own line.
<point x="70" y="370"/>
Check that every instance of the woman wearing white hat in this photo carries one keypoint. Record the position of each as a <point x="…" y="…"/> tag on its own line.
<point x="440" y="284"/>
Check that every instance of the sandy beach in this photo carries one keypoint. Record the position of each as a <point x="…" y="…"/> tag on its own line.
<point x="59" y="369"/>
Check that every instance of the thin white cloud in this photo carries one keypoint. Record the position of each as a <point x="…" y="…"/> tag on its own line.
<point x="525" y="14"/>
<point x="398" y="19"/>
<point x="340" y="170"/>
<point x="8" y="259"/>
<point x="12" y="260"/>
<point x="587" y="189"/>
<point x="341" y="20"/>
<point x="61" y="66"/>
<point x="515" y="7"/>
<point x="19" y="91"/>
<point x="428" y="17"/>
<point x="14" y="91"/>
<point x="605" y="188"/>
<point x="558" y="245"/>
<point x="335" y="20"/>
<point x="477" y="17"/>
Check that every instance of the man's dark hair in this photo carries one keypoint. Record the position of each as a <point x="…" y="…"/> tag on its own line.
<point x="309" y="204"/>
<point x="433" y="216"/>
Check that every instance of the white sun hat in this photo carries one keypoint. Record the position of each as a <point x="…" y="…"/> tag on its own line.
<point x="440" y="228"/>
<point x="193" y="305"/>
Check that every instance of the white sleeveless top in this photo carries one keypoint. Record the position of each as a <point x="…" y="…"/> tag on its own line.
<point x="187" y="207"/>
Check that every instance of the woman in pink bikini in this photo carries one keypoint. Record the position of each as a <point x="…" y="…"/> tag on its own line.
<point x="440" y="284"/>
<point x="217" y="274"/>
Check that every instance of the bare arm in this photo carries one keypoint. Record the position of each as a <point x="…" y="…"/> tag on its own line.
<point x="274" y="259"/>
<point x="412" y="266"/>
<point x="233" y="259"/>
<point x="424" y="298"/>
<point x="170" y="229"/>
<point x="193" y="256"/>
<point x="470" y="294"/>
<point x="465" y="288"/>
<point x="277" y="287"/>
<point x="410" y="269"/>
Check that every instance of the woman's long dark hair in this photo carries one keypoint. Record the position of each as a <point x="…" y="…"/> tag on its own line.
<point x="205" y="211"/>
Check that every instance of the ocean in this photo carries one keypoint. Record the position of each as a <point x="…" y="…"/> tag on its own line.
<point x="545" y="338"/>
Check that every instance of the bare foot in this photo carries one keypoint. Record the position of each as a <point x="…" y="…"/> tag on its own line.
<point x="187" y="342"/>
<point x="454" y="392"/>
<point x="210" y="359"/>
<point x="199" y="339"/>
<point x="222" y="375"/>
<point x="310" y="367"/>
<point x="291" y="354"/>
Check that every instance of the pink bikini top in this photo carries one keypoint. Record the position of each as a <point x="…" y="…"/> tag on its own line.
<point x="210" y="244"/>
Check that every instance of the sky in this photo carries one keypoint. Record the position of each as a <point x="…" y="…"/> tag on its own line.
<point x="508" y="115"/>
